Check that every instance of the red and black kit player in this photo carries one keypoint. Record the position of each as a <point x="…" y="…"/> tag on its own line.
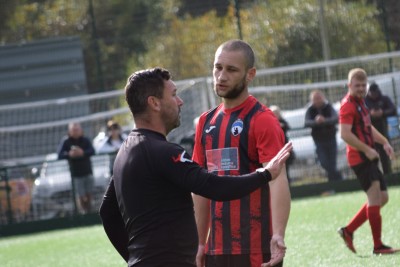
<point x="359" y="134"/>
<point x="236" y="141"/>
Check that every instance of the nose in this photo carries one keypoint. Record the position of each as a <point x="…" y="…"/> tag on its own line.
<point x="221" y="75"/>
<point x="179" y="101"/>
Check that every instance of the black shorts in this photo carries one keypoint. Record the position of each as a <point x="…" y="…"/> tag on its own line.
<point x="244" y="260"/>
<point x="367" y="172"/>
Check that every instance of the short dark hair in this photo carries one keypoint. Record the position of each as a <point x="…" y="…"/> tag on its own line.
<point x="374" y="87"/>
<point x="239" y="45"/>
<point x="141" y="85"/>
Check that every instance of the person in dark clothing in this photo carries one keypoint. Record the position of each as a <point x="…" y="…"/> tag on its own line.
<point x="147" y="211"/>
<point x="285" y="128"/>
<point x="78" y="149"/>
<point x="322" y="118"/>
<point x="380" y="108"/>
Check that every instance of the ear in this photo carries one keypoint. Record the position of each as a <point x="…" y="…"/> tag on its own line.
<point x="154" y="103"/>
<point x="251" y="73"/>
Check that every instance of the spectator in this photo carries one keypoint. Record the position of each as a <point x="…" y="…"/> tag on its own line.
<point x="78" y="149"/>
<point x="285" y="128"/>
<point x="112" y="142"/>
<point x="360" y="137"/>
<point x="147" y="211"/>
<point x="380" y="108"/>
<point x="236" y="137"/>
<point x="322" y="118"/>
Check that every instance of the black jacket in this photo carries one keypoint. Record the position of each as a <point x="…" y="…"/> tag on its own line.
<point x="78" y="166"/>
<point x="323" y="131"/>
<point x="388" y="108"/>
<point x="147" y="211"/>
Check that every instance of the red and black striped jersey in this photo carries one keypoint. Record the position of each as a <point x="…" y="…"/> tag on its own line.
<point x="353" y="111"/>
<point x="237" y="141"/>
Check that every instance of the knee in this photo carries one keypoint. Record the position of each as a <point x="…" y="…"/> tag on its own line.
<point x="384" y="199"/>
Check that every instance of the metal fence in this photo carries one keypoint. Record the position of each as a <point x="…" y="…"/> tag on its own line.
<point x="29" y="195"/>
<point x="43" y="190"/>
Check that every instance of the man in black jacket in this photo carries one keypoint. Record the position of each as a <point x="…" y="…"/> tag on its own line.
<point x="322" y="118"/>
<point x="381" y="107"/>
<point x="78" y="149"/>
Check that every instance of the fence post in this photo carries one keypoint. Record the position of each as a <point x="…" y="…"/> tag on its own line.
<point x="7" y="189"/>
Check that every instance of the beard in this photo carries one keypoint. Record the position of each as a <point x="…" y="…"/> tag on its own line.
<point x="235" y="91"/>
<point x="171" y="120"/>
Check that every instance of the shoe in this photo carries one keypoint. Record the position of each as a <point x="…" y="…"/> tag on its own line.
<point x="385" y="250"/>
<point x="347" y="238"/>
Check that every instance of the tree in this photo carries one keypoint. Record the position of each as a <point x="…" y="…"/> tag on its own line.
<point x="281" y="32"/>
<point x="170" y="33"/>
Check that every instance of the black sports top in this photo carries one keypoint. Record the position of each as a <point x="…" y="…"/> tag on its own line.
<point x="147" y="211"/>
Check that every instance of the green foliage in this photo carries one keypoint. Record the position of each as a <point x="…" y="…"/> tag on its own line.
<point x="130" y="35"/>
<point x="36" y="20"/>
<point x="186" y="48"/>
<point x="281" y="32"/>
<point x="295" y="29"/>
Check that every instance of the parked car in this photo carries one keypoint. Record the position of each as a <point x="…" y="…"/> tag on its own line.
<point x="52" y="189"/>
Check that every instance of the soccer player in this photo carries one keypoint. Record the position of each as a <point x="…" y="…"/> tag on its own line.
<point x="359" y="134"/>
<point x="236" y="137"/>
<point x="147" y="211"/>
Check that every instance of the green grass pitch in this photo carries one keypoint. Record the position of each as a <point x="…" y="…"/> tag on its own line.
<point x="311" y="239"/>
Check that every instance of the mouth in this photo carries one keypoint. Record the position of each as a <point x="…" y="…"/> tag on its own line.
<point x="221" y="86"/>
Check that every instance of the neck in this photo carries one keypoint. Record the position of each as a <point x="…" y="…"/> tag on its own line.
<point x="151" y="124"/>
<point x="234" y="102"/>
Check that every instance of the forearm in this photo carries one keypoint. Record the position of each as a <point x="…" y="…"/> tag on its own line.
<point x="280" y="203"/>
<point x="224" y="188"/>
<point x="202" y="216"/>
<point x="378" y="137"/>
<point x="352" y="140"/>
<point x="309" y="123"/>
<point x="89" y="151"/>
<point x="331" y="120"/>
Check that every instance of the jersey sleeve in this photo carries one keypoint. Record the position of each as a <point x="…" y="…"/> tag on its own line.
<point x="198" y="150"/>
<point x="269" y="136"/>
<point x="346" y="113"/>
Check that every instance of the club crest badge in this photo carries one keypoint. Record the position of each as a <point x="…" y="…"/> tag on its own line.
<point x="237" y="127"/>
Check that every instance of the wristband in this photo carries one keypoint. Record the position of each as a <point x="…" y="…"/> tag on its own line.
<point x="265" y="173"/>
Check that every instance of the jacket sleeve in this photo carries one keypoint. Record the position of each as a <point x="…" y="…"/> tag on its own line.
<point x="172" y="164"/>
<point x="62" y="151"/>
<point x="113" y="223"/>
<point x="333" y="118"/>
<point x="390" y="108"/>
<point x="308" y="120"/>
<point x="88" y="149"/>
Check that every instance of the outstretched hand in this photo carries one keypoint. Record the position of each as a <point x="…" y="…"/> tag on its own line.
<point x="278" y="162"/>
